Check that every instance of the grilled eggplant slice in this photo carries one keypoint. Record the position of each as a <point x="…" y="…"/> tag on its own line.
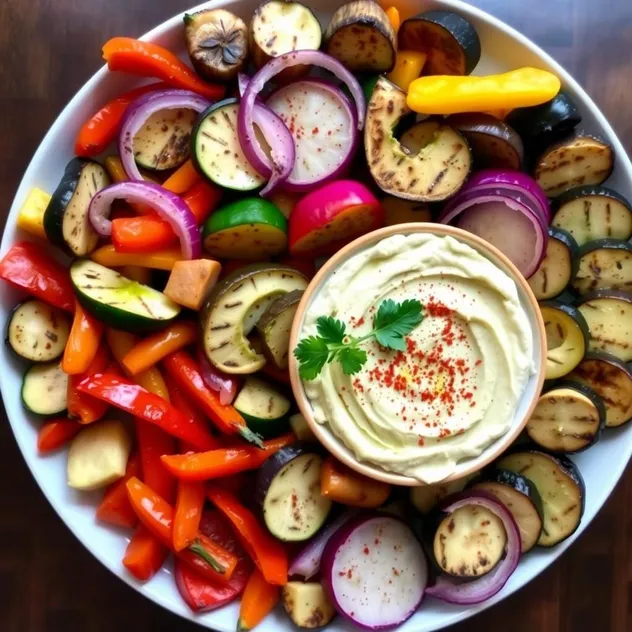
<point x="611" y="380"/>
<point x="603" y="264"/>
<point x="279" y="27"/>
<point x="568" y="418"/>
<point x="361" y="36"/>
<point x="609" y="317"/>
<point x="433" y="174"/>
<point x="556" y="270"/>
<point x="593" y="212"/>
<point x="582" y="160"/>
<point x="449" y="40"/>
<point x="566" y="338"/>
<point x="235" y="305"/>
<point x="45" y="389"/>
<point x="66" y="220"/>
<point x="263" y="407"/>
<point x="561" y="488"/>
<point x="217" y="43"/>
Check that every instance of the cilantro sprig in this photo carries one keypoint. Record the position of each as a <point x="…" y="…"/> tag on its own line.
<point x="391" y="324"/>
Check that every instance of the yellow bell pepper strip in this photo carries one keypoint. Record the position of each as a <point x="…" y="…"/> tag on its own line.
<point x="158" y="260"/>
<point x="408" y="67"/>
<point x="441" y="94"/>
<point x="31" y="217"/>
<point x="392" y="13"/>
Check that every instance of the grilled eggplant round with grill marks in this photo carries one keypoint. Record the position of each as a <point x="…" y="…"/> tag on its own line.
<point x="439" y="168"/>
<point x="603" y="264"/>
<point x="556" y="270"/>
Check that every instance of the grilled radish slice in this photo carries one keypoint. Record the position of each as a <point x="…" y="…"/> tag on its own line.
<point x="37" y="331"/>
<point x="216" y="152"/>
<point x="603" y="264"/>
<point x="567" y="419"/>
<point x="307" y="604"/>
<point x="576" y="162"/>
<point x="449" y="40"/>
<point x="493" y="143"/>
<point x="300" y="428"/>
<point x="120" y="302"/>
<point x="593" y="212"/>
<point x="234" y="307"/>
<point x="275" y="326"/>
<point x="288" y="489"/>
<point x="609" y="317"/>
<point x="426" y="497"/>
<point x="398" y="211"/>
<point x="566" y="338"/>
<point x="66" y="220"/>
<point x="279" y="27"/>
<point x="361" y="36"/>
<point x="561" y="487"/>
<point x="521" y="498"/>
<point x="217" y="43"/>
<point x="44" y="389"/>
<point x="556" y="270"/>
<point x="611" y="380"/>
<point x="436" y="172"/>
<point x="263" y="407"/>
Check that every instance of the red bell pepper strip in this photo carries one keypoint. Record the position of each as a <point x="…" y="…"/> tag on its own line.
<point x="55" y="434"/>
<point x="153" y="443"/>
<point x="266" y="552"/>
<point x="144" y="554"/>
<point x="186" y="373"/>
<point x="144" y="59"/>
<point x="115" y="507"/>
<point x="85" y="408"/>
<point x="186" y="521"/>
<point x="134" y="399"/>
<point x="103" y="127"/>
<point x="148" y="233"/>
<point x="203" y="466"/>
<point x="28" y="267"/>
<point x="207" y="557"/>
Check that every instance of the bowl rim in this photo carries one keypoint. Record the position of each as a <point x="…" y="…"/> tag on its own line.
<point x="490" y="252"/>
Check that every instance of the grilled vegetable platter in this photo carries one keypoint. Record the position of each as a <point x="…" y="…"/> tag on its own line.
<point x="154" y="328"/>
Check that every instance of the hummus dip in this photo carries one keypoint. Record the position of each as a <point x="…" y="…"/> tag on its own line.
<point x="456" y="388"/>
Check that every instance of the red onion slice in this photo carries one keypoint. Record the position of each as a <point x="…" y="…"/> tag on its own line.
<point x="468" y="593"/>
<point x="168" y="205"/>
<point x="140" y="110"/>
<point x="226" y="385"/>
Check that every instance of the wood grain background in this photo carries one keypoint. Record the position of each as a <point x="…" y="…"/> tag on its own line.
<point x="48" y="581"/>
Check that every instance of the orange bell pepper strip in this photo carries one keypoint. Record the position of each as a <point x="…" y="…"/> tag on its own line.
<point x="186" y="521"/>
<point x="266" y="551"/>
<point x="149" y="233"/>
<point x="115" y="508"/>
<point x="341" y="484"/>
<point x="258" y="601"/>
<point x="182" y="179"/>
<point x="149" y="351"/>
<point x="55" y="434"/>
<point x="134" y="399"/>
<point x="81" y="407"/>
<point x="102" y="128"/>
<point x="144" y="555"/>
<point x="210" y="559"/>
<point x="186" y="373"/>
<point x="160" y="259"/>
<point x="392" y="13"/>
<point x="144" y="59"/>
<point x="27" y="267"/>
<point x="83" y="342"/>
<point x="203" y="466"/>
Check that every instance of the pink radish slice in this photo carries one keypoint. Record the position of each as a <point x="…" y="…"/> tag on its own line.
<point x="374" y="571"/>
<point x="323" y="124"/>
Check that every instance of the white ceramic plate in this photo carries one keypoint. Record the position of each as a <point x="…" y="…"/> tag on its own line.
<point x="601" y="466"/>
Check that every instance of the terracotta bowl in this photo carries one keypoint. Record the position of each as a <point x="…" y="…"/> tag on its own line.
<point x="529" y="396"/>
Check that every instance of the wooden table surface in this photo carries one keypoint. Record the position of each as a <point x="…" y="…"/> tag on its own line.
<point x="48" y="581"/>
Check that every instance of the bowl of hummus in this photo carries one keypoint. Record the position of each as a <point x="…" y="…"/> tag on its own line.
<point x="436" y="354"/>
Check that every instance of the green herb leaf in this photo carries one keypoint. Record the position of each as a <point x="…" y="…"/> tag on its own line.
<point x="312" y="354"/>
<point x="352" y="359"/>
<point x="330" y="329"/>
<point x="394" y="320"/>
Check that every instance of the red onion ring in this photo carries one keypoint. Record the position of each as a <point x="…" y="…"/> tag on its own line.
<point x="168" y="205"/>
<point x="226" y="385"/>
<point x="468" y="593"/>
<point x="140" y="110"/>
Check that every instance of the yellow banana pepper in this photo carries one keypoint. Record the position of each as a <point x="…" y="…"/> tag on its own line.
<point x="453" y="94"/>
<point x="408" y="67"/>
<point x="159" y="260"/>
<point x="31" y="217"/>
